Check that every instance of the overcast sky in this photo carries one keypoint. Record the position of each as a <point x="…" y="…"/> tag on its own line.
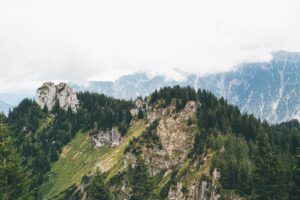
<point x="74" y="40"/>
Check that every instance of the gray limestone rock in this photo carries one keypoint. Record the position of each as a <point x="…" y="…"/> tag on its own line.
<point x="49" y="93"/>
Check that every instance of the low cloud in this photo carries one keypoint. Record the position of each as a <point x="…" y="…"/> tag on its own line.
<point x="78" y="41"/>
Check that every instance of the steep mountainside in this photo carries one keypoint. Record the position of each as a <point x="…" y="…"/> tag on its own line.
<point x="176" y="144"/>
<point x="153" y="137"/>
<point x="268" y="90"/>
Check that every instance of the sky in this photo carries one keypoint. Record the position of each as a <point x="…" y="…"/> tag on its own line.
<point x="83" y="40"/>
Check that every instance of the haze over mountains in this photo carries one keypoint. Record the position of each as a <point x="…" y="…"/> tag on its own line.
<point x="8" y="101"/>
<point x="4" y="107"/>
<point x="269" y="90"/>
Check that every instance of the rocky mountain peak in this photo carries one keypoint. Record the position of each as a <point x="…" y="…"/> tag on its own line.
<point x="269" y="90"/>
<point x="49" y="93"/>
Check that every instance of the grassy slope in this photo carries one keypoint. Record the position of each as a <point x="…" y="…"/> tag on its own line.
<point x="79" y="158"/>
<point x="112" y="160"/>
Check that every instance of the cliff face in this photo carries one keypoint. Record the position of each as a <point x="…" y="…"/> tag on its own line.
<point x="109" y="137"/>
<point x="201" y="188"/>
<point x="176" y="133"/>
<point x="49" y="93"/>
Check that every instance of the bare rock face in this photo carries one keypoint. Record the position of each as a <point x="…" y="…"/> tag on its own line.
<point x="46" y="95"/>
<point x="109" y="137"/>
<point x="66" y="97"/>
<point x="49" y="93"/>
<point x="200" y="189"/>
<point x="175" y="135"/>
<point x="176" y="193"/>
<point x="140" y="104"/>
<point x="204" y="190"/>
<point x="176" y="138"/>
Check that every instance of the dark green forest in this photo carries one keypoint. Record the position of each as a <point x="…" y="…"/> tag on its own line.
<point x="39" y="146"/>
<point x="259" y="160"/>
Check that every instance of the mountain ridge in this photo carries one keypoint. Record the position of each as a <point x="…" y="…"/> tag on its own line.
<point x="175" y="144"/>
<point x="4" y="107"/>
<point x="269" y="90"/>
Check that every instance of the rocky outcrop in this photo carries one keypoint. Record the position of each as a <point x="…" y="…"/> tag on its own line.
<point x="46" y="95"/>
<point x="203" y="188"/>
<point x="175" y="135"/>
<point x="49" y="93"/>
<point x="140" y="104"/>
<point x="176" y="192"/>
<point x="109" y="137"/>
<point x="154" y="113"/>
<point x="176" y="138"/>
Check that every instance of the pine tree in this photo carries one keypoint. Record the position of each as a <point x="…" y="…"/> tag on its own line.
<point x="177" y="105"/>
<point x="140" y="114"/>
<point x="154" y="97"/>
<point x="98" y="189"/>
<point x="266" y="175"/>
<point x="295" y="192"/>
<point x="244" y="176"/>
<point x="139" y="180"/>
<point x="14" y="182"/>
<point x="189" y="122"/>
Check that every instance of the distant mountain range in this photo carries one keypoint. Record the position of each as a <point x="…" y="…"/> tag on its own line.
<point x="8" y="100"/>
<point x="269" y="90"/>
<point x="4" y="107"/>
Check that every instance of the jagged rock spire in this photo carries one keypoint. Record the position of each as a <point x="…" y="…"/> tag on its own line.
<point x="49" y="93"/>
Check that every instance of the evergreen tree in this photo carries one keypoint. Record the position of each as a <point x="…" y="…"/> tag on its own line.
<point x="98" y="189"/>
<point x="140" y="114"/>
<point x="244" y="176"/>
<point x="295" y="192"/>
<point x="266" y="175"/>
<point x="13" y="179"/>
<point x="189" y="122"/>
<point x="154" y="97"/>
<point x="177" y="105"/>
<point x="139" y="180"/>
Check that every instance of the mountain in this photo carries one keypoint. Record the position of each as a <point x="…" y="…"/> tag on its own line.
<point x="15" y="98"/>
<point x="175" y="144"/>
<point x="8" y="101"/>
<point x="128" y="86"/>
<point x="4" y="107"/>
<point x="269" y="90"/>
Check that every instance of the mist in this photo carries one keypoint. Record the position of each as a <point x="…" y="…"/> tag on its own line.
<point x="80" y="41"/>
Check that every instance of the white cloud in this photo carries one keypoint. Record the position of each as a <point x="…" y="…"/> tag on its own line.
<point x="86" y="40"/>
